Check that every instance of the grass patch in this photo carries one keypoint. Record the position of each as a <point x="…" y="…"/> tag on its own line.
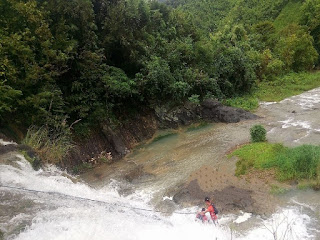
<point x="247" y="102"/>
<point x="255" y="155"/>
<point x="287" y="86"/>
<point x="51" y="146"/>
<point x="299" y="163"/>
<point x="276" y="90"/>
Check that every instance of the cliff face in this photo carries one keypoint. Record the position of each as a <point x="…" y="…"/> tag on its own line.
<point x="116" y="143"/>
<point x="113" y="143"/>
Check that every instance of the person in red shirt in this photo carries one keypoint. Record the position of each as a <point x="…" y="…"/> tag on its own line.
<point x="202" y="216"/>
<point x="212" y="210"/>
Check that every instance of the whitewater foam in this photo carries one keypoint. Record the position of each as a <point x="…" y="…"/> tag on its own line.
<point x="115" y="217"/>
<point x="5" y="143"/>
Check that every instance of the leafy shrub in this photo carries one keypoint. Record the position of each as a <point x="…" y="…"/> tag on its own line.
<point x="274" y="68"/>
<point x="295" y="48"/>
<point x="258" y="133"/>
<point x="194" y="99"/>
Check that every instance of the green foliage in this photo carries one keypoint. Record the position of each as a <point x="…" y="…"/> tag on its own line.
<point x="255" y="155"/>
<point x="302" y="162"/>
<point x="234" y="67"/>
<point x="299" y="163"/>
<point x="51" y="145"/>
<point x="290" y="14"/>
<point x="156" y="78"/>
<point x="81" y="168"/>
<point x="26" y="60"/>
<point x="287" y="85"/>
<point x="117" y="84"/>
<point x="258" y="133"/>
<point x="311" y="18"/>
<point x="8" y="99"/>
<point x="66" y="61"/>
<point x="194" y="99"/>
<point x="295" y="48"/>
<point x="246" y="102"/>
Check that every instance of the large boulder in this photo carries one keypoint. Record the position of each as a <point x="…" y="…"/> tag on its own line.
<point x="209" y="110"/>
<point x="213" y="110"/>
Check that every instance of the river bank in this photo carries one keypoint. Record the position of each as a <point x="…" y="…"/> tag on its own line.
<point x="188" y="165"/>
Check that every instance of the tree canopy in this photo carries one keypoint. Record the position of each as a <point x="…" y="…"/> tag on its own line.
<point x="66" y="60"/>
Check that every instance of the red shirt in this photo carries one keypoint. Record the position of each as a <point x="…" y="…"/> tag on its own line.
<point x="212" y="214"/>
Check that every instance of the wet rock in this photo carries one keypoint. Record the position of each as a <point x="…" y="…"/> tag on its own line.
<point x="229" y="199"/>
<point x="5" y="137"/>
<point x="116" y="139"/>
<point x="134" y="174"/>
<point x="191" y="195"/>
<point x="17" y="147"/>
<point x="8" y="148"/>
<point x="117" y="143"/>
<point x="210" y="110"/>
<point x="166" y="207"/>
<point x="178" y="116"/>
<point x="232" y="199"/>
<point x="213" y="110"/>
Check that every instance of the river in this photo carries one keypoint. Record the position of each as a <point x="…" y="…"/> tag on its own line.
<point x="51" y="204"/>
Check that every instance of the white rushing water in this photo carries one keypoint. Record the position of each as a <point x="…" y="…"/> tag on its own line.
<point x="296" y="119"/>
<point x="55" y="207"/>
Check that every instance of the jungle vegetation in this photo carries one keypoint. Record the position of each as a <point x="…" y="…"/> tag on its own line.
<point x="85" y="61"/>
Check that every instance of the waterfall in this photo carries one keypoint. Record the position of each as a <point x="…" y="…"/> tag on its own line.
<point x="50" y="204"/>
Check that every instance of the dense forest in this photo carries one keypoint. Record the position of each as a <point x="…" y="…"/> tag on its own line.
<point x="84" y="61"/>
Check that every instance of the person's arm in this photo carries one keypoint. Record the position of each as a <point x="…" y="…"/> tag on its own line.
<point x="208" y="209"/>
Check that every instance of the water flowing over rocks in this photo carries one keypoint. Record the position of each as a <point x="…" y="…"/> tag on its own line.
<point x="121" y="139"/>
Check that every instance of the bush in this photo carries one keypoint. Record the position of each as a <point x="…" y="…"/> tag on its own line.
<point x="274" y="68"/>
<point x="258" y="133"/>
<point x="51" y="145"/>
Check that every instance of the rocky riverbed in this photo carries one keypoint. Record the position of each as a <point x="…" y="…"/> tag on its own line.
<point x="190" y="163"/>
